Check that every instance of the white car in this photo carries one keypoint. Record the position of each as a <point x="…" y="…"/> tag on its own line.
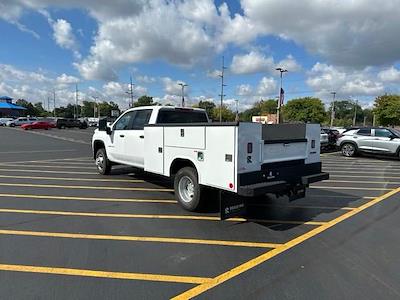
<point x="324" y="138"/>
<point x="3" y="121"/>
<point x="21" y="121"/>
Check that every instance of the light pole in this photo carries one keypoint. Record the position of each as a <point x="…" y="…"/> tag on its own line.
<point x="278" y="111"/>
<point x="355" y="113"/>
<point x="94" y="107"/>
<point x="183" y="92"/>
<point x="333" y="108"/>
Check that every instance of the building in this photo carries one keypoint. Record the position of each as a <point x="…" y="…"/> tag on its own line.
<point x="267" y="119"/>
<point x="8" y="109"/>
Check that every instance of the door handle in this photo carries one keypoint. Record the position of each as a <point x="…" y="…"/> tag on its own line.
<point x="142" y="136"/>
<point x="121" y="135"/>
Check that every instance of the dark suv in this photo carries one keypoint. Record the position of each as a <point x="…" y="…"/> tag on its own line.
<point x="71" y="123"/>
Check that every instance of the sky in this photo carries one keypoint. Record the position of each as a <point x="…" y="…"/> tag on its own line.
<point x="349" y="47"/>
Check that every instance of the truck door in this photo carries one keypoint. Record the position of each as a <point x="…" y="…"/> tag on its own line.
<point x="134" y="139"/>
<point x="116" y="148"/>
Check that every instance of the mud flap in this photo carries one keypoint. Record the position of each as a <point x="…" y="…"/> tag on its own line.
<point x="231" y="205"/>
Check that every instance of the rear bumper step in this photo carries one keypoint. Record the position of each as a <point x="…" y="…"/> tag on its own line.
<point x="263" y="188"/>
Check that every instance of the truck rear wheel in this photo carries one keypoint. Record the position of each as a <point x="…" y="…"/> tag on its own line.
<point x="187" y="188"/>
<point x="102" y="163"/>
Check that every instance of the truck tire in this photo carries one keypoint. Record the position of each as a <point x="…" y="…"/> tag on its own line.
<point x="187" y="188"/>
<point x="102" y="163"/>
<point x="348" y="149"/>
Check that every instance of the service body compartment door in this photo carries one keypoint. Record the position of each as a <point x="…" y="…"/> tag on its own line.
<point x="154" y="149"/>
<point x="185" y="136"/>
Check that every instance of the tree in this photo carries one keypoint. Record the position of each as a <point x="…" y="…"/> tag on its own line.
<point x="227" y="114"/>
<point x="259" y="109"/>
<point x="107" y="107"/>
<point x="306" y="109"/>
<point x="39" y="110"/>
<point x="30" y="109"/>
<point x="87" y="109"/>
<point x="144" y="101"/>
<point x="344" y="113"/>
<point x="387" y="110"/>
<point x="66" y="112"/>
<point x="207" y="105"/>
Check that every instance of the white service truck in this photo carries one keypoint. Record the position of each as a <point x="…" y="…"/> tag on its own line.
<point x="241" y="159"/>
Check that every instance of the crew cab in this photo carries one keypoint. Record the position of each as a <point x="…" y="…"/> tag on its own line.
<point x="238" y="159"/>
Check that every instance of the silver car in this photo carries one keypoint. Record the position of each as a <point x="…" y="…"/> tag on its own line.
<point x="373" y="140"/>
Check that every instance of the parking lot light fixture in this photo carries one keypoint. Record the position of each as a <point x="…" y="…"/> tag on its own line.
<point x="281" y="93"/>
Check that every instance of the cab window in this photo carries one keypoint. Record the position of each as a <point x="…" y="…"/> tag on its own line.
<point x="124" y="122"/>
<point x="382" y="133"/>
<point x="364" y="131"/>
<point x="140" y="119"/>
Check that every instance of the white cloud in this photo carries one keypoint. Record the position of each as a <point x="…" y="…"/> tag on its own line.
<point x="353" y="33"/>
<point x="253" y="62"/>
<point x="290" y="64"/>
<point x="391" y="74"/>
<point x="172" y="87"/>
<point x="145" y="79"/>
<point x="266" y="87"/>
<point x="67" y="79"/>
<point x="213" y="73"/>
<point x="64" y="36"/>
<point x="244" y="90"/>
<point x="324" y="79"/>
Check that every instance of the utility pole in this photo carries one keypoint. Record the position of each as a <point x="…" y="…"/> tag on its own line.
<point x="94" y="107"/>
<point x="237" y="110"/>
<point x="76" y="101"/>
<point x="280" y="100"/>
<point x="130" y="91"/>
<point x="54" y="102"/>
<point x="183" y="92"/>
<point x="333" y="108"/>
<point x="355" y="113"/>
<point x="48" y="103"/>
<point x="222" y="89"/>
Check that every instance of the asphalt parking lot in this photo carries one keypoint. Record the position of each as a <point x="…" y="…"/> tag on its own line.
<point x="68" y="233"/>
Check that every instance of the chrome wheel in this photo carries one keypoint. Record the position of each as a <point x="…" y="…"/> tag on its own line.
<point x="186" y="189"/>
<point x="100" y="162"/>
<point x="348" y="150"/>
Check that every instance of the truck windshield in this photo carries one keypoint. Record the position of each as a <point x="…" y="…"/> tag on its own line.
<point x="181" y="116"/>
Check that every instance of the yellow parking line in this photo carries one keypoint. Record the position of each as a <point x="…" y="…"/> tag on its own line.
<point x="103" y="274"/>
<point x="86" y="187"/>
<point x="365" y="181"/>
<point x="143" y="216"/>
<point x="375" y="172"/>
<point x="47" y="166"/>
<point x="46" y="197"/>
<point x="72" y="178"/>
<point x="139" y="238"/>
<point x="340" y="196"/>
<point x="348" y="188"/>
<point x="362" y="176"/>
<point x="46" y="171"/>
<point x="270" y="254"/>
<point x="303" y="206"/>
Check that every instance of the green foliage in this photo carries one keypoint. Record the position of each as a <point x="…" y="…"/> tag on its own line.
<point x="107" y="107"/>
<point x="144" y="101"/>
<point x="66" y="112"/>
<point x="207" y="105"/>
<point x="344" y="113"/>
<point x="87" y="109"/>
<point x="387" y="109"/>
<point x="306" y="109"/>
<point x="259" y="109"/>
<point x="227" y="114"/>
<point x="36" y="109"/>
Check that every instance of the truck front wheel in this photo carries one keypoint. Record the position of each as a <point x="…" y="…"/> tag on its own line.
<point x="187" y="188"/>
<point x="102" y="163"/>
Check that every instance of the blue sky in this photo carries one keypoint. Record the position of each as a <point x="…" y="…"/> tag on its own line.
<point x="99" y="44"/>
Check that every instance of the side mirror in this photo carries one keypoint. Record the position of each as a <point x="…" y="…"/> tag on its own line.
<point x="103" y="125"/>
<point x="392" y="137"/>
<point x="108" y="130"/>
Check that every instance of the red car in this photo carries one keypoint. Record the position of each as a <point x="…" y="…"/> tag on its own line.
<point x="37" y="125"/>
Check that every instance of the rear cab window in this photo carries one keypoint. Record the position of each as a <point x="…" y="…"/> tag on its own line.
<point x="168" y="116"/>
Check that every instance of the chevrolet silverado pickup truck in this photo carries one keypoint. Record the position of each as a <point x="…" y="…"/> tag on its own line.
<point x="242" y="159"/>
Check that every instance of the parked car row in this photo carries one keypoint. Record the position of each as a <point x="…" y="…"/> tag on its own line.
<point x="35" y="123"/>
